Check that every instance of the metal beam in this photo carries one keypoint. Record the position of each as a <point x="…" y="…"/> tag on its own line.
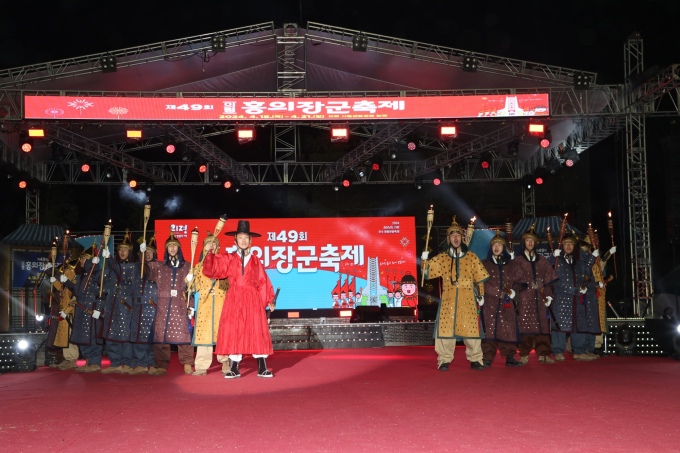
<point x="133" y="56"/>
<point x="448" y="56"/>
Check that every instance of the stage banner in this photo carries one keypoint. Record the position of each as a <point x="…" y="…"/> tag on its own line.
<point x="28" y="265"/>
<point x="323" y="262"/>
<point x="286" y="109"/>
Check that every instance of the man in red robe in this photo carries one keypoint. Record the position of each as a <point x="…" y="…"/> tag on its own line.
<point x="243" y="324"/>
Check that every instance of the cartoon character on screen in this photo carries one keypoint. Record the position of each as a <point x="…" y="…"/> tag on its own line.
<point x="409" y="288"/>
<point x="358" y="298"/>
<point x="398" y="295"/>
<point x="336" y="294"/>
<point x="390" y="290"/>
<point x="350" y="294"/>
<point x="343" y="295"/>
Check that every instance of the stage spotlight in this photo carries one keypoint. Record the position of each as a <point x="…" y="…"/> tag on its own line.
<point x="339" y="134"/>
<point x="545" y="141"/>
<point x="361" y="171"/>
<point x="25" y="142"/>
<point x="470" y="63"/>
<point x="150" y="186"/>
<point x="393" y="152"/>
<point x="169" y="145"/>
<point x="218" y="43"/>
<point x="536" y="129"/>
<point x="346" y="183"/>
<point x="134" y="134"/>
<point x="215" y="172"/>
<point x="553" y="165"/>
<point x="336" y="187"/>
<point x="625" y="340"/>
<point x="539" y="181"/>
<point x="245" y="134"/>
<point x="570" y="157"/>
<point x="39" y="317"/>
<point x="36" y="132"/>
<point x="201" y="165"/>
<point x="436" y="181"/>
<point x="227" y="184"/>
<point x="24" y="359"/>
<point x="58" y="153"/>
<point x="109" y="63"/>
<point x="108" y="172"/>
<point x="132" y="182"/>
<point x="581" y="81"/>
<point x="447" y="132"/>
<point x="513" y="148"/>
<point x="23" y="184"/>
<point x="84" y="165"/>
<point x="418" y="184"/>
<point x="376" y="162"/>
<point x="528" y="181"/>
<point x="185" y="155"/>
<point x="359" y="43"/>
<point x="411" y="145"/>
<point x="236" y="185"/>
<point x="485" y="160"/>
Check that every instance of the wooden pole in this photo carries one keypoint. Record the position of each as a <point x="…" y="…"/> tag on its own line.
<point x="430" y="221"/>
<point x="147" y="214"/>
<point x="53" y="254"/>
<point x="105" y="244"/>
<point x="610" y="225"/>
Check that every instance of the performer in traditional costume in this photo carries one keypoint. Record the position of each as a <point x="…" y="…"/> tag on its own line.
<point x="243" y="324"/>
<point x="602" y="300"/>
<point x="60" y="292"/>
<point x="457" y="318"/>
<point x="87" y="317"/>
<point x="207" y="304"/>
<point x="170" y="325"/>
<point x="501" y="331"/>
<point x="144" y="315"/>
<point x="572" y="272"/>
<point x="532" y="281"/>
<point x="122" y="276"/>
<point x="588" y="312"/>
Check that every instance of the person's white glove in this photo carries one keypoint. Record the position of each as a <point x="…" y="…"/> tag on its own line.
<point x="96" y="314"/>
<point x="612" y="250"/>
<point x="142" y="247"/>
<point x="549" y="299"/>
<point x="424" y="255"/>
<point x="596" y="253"/>
<point x="512" y="294"/>
<point x="191" y="315"/>
<point x="62" y="314"/>
<point x="190" y="277"/>
<point x="601" y="284"/>
<point x="106" y="253"/>
<point x="48" y="266"/>
<point x="63" y="278"/>
<point x="95" y="260"/>
<point x="480" y="301"/>
<point x="512" y="255"/>
<point x="583" y="290"/>
<point x="557" y="253"/>
<point x="52" y="279"/>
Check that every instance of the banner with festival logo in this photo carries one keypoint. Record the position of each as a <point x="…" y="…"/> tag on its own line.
<point x="323" y="262"/>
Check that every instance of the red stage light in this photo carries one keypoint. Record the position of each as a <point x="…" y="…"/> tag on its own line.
<point x="170" y="149"/>
<point x="539" y="181"/>
<point x="22" y="184"/>
<point x="569" y="163"/>
<point x="545" y="143"/>
<point x="203" y="168"/>
<point x="26" y="147"/>
<point x="227" y="184"/>
<point x="85" y="168"/>
<point x="485" y="164"/>
<point x="133" y="183"/>
<point x="536" y="129"/>
<point x="376" y="166"/>
<point x="134" y="134"/>
<point x="437" y="181"/>
<point x="345" y="182"/>
<point x="411" y="146"/>
<point x="36" y="132"/>
<point x="345" y="313"/>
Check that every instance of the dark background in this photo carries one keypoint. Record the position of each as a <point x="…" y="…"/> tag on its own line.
<point x="587" y="35"/>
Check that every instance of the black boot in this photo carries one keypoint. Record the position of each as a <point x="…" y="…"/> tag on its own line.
<point x="477" y="366"/>
<point x="487" y="363"/>
<point x="511" y="361"/>
<point x="444" y="366"/>
<point x="262" y="370"/>
<point x="233" y="372"/>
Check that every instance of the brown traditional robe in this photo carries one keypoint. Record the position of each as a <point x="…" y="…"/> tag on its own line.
<point x="500" y="322"/>
<point x="530" y="278"/>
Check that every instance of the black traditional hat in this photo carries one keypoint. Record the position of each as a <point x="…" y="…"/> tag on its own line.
<point x="243" y="227"/>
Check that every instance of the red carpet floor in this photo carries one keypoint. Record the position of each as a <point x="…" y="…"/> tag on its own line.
<point x="390" y="399"/>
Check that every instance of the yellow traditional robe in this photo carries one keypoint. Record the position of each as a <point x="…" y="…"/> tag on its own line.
<point x="208" y="307"/>
<point x="61" y="339"/>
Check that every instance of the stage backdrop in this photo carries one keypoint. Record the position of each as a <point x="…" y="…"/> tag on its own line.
<point x="323" y="262"/>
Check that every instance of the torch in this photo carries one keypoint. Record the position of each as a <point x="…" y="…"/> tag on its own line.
<point x="563" y="231"/>
<point x="549" y="237"/>
<point x="430" y="220"/>
<point x="610" y="224"/>
<point x="147" y="214"/>
<point x="508" y="234"/>
<point x="194" y="243"/>
<point x="105" y="243"/>
<point x="593" y="241"/>
<point x="470" y="231"/>
<point x="220" y="225"/>
<point x="53" y="254"/>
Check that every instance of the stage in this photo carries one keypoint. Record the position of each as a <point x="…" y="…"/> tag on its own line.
<point x="381" y="399"/>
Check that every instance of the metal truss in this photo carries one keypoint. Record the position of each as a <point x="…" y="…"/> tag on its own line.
<point x="290" y="76"/>
<point x="413" y="50"/>
<point x="664" y="85"/>
<point x="204" y="147"/>
<point x="101" y="152"/>
<point x="381" y="140"/>
<point x="22" y="161"/>
<point x="285" y="143"/>
<point x="636" y="177"/>
<point x="528" y="202"/>
<point x="32" y="206"/>
<point x="133" y="56"/>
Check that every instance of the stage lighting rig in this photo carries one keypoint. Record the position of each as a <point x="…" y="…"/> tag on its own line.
<point x="528" y="181"/>
<point x="185" y="155"/>
<point x="581" y="81"/>
<point x="393" y="152"/>
<point x="376" y="163"/>
<point x="201" y="165"/>
<point x="169" y="145"/>
<point x="24" y="359"/>
<point x="236" y="185"/>
<point x="546" y="140"/>
<point x="418" y="184"/>
<point x="485" y="160"/>
<point x="536" y="129"/>
<point x="36" y="133"/>
<point x="108" y="172"/>
<point x="361" y="172"/>
<point x="215" y="172"/>
<point x="447" y="132"/>
<point x="84" y="164"/>
<point x="58" y="153"/>
<point x="339" y="133"/>
<point x="25" y="142"/>
<point x="470" y="63"/>
<point x="625" y="340"/>
<point x="245" y="133"/>
<point x="553" y="165"/>
<point x="22" y="184"/>
<point x="513" y="148"/>
<point x="436" y="181"/>
<point x="133" y="134"/>
<point x="570" y="157"/>
<point x="109" y="63"/>
<point x="132" y="181"/>
<point x="218" y="43"/>
<point x="360" y="43"/>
